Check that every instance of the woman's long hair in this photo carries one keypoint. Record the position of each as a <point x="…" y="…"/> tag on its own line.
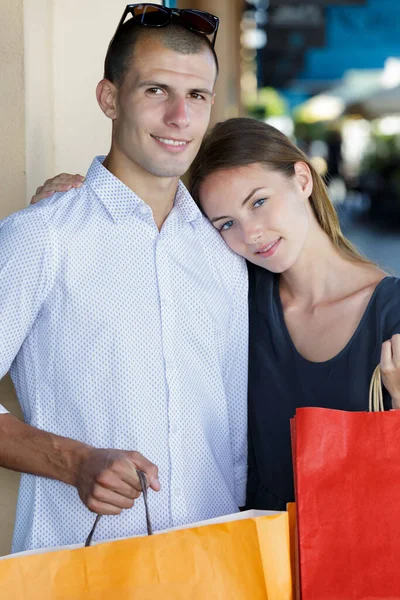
<point x="244" y="141"/>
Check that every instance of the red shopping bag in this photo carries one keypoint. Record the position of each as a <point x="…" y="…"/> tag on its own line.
<point x="347" y="480"/>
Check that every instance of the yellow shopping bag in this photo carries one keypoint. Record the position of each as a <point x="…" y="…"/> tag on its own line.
<point x="245" y="558"/>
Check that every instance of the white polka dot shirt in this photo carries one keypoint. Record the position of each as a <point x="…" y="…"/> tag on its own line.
<point x="122" y="336"/>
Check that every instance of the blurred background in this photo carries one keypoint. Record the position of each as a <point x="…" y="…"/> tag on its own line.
<point x="326" y="72"/>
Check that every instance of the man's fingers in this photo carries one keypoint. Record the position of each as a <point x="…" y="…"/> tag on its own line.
<point x="123" y="469"/>
<point x="114" y="482"/>
<point x="148" y="468"/>
<point x="108" y="482"/>
<point x="102" y="494"/>
<point x="102" y="508"/>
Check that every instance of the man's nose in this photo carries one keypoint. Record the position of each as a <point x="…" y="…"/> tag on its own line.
<point x="178" y="113"/>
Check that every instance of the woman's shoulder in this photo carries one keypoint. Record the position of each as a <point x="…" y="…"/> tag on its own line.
<point x="388" y="290"/>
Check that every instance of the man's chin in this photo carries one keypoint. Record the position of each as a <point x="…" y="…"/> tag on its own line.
<point x="165" y="171"/>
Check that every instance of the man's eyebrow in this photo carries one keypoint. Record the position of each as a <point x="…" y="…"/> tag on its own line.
<point x="164" y="86"/>
<point x="202" y="91"/>
<point x="243" y="203"/>
<point x="152" y="83"/>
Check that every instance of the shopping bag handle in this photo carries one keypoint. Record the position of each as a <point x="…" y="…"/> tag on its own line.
<point x="143" y="483"/>
<point x="375" y="392"/>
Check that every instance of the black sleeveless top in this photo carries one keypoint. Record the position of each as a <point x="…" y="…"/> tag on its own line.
<point x="281" y="380"/>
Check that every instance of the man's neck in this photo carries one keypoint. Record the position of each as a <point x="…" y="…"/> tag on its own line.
<point x="158" y="192"/>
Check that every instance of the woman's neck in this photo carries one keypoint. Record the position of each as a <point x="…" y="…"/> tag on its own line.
<point x="320" y="272"/>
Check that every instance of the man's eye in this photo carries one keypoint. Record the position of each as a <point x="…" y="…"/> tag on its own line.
<point x="259" y="202"/>
<point x="196" y="96"/>
<point x="155" y="91"/>
<point x="226" y="226"/>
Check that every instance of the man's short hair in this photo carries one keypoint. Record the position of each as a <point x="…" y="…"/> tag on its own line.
<point x="174" y="36"/>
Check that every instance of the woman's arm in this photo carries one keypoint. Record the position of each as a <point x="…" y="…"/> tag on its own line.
<point x="59" y="183"/>
<point x="390" y="368"/>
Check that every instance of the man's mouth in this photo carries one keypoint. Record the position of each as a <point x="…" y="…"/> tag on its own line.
<point x="171" y="142"/>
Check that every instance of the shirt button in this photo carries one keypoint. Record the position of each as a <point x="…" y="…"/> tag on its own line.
<point x="177" y="492"/>
<point x="142" y="210"/>
<point x="174" y="429"/>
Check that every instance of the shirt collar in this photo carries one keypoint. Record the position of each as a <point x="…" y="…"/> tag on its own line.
<point x="185" y="204"/>
<point x="121" y="202"/>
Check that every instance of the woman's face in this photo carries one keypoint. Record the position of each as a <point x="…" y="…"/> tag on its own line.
<point x="262" y="215"/>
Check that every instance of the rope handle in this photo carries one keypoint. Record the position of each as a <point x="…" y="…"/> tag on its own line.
<point x="142" y="479"/>
<point x="375" y="392"/>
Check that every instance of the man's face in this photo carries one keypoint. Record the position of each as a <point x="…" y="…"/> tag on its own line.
<point x="163" y="108"/>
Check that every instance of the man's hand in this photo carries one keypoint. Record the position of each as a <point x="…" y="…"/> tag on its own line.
<point x="60" y="183"/>
<point x="107" y="481"/>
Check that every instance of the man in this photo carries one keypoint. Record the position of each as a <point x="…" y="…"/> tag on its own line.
<point x="124" y="316"/>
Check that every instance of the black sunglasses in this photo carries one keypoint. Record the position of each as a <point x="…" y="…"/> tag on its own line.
<point x="154" y="15"/>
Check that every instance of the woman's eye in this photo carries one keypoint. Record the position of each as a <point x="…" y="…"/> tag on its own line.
<point x="226" y="226"/>
<point x="259" y="202"/>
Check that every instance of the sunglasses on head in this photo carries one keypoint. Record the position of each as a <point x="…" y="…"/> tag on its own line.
<point x="154" y="15"/>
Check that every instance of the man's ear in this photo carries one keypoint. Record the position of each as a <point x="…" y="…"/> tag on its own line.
<point x="106" y="94"/>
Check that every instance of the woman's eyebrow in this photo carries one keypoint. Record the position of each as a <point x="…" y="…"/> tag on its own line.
<point x="251" y="195"/>
<point x="243" y="203"/>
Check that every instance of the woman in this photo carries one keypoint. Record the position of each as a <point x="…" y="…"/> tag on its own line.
<point x="321" y="315"/>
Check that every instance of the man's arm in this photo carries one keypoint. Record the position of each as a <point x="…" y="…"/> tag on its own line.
<point x="235" y="376"/>
<point x="106" y="479"/>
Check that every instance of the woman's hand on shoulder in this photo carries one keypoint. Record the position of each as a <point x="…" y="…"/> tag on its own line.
<point x="390" y="368"/>
<point x="59" y="183"/>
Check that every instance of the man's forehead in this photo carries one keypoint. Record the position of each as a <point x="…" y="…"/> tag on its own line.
<point x="153" y="59"/>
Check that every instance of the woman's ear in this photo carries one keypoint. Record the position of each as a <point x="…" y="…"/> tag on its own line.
<point x="304" y="178"/>
<point x="106" y="94"/>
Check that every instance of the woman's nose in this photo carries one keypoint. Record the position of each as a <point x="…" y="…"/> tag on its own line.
<point x="251" y="235"/>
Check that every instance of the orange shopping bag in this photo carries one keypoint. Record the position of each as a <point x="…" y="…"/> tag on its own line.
<point x="246" y="557"/>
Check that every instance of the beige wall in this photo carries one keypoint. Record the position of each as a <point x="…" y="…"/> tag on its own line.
<point x="12" y="194"/>
<point x="12" y="124"/>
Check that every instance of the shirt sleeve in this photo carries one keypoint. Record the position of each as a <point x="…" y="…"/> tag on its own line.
<point x="235" y="375"/>
<point x="26" y="255"/>
<point x="395" y="329"/>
